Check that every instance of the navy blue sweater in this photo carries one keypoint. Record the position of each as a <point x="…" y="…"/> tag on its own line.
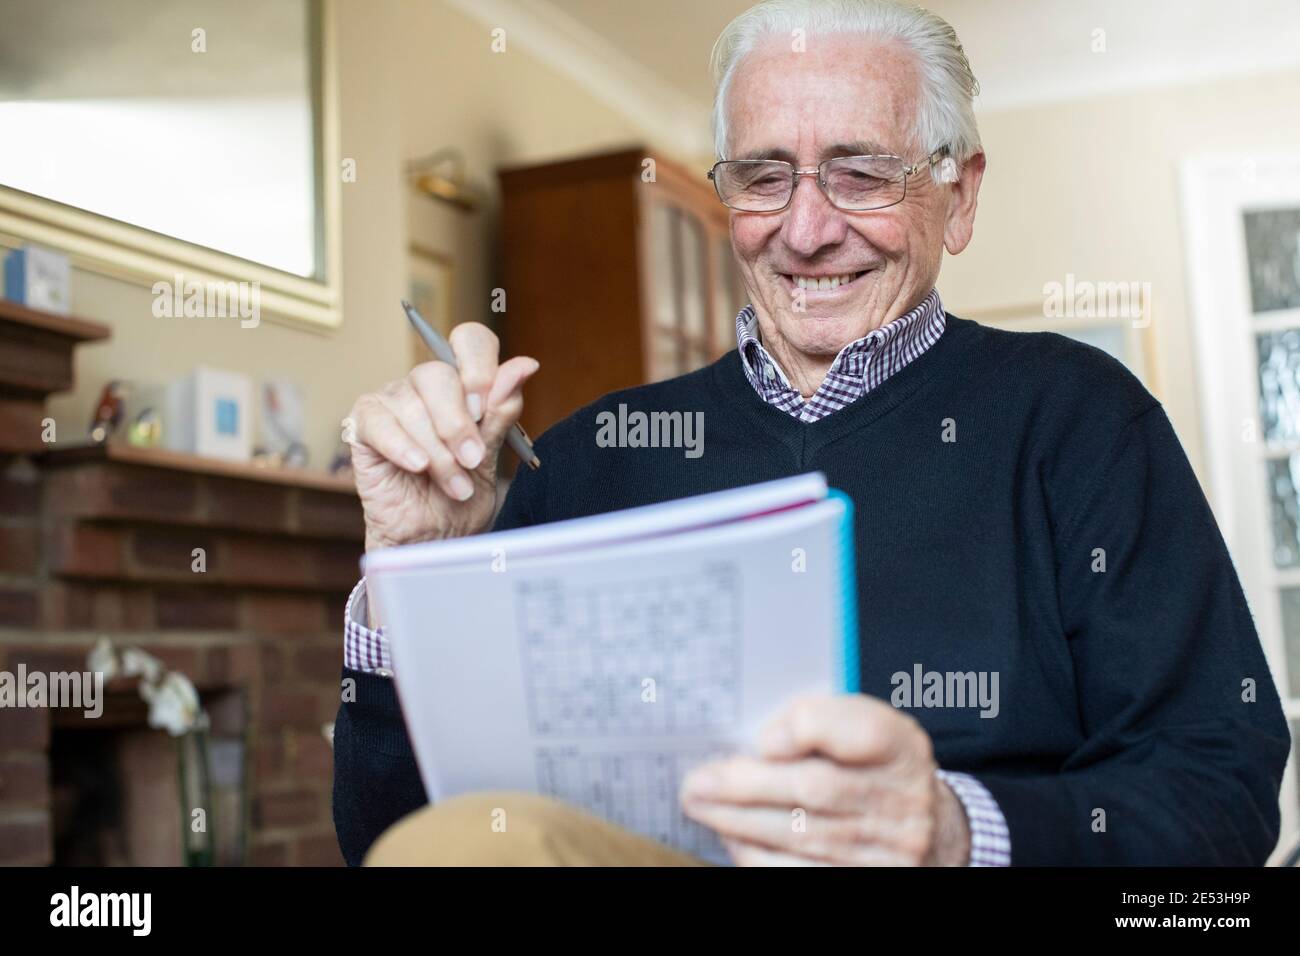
<point x="1022" y="507"/>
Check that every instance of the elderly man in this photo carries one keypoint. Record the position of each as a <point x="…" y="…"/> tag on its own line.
<point x="1023" y="509"/>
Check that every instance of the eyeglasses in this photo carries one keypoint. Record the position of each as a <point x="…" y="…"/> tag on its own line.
<point x="851" y="183"/>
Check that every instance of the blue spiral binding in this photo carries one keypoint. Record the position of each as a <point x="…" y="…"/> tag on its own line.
<point x="850" y="667"/>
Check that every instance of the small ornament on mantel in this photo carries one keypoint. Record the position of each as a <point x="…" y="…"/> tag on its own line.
<point x="296" y="455"/>
<point x="341" y="463"/>
<point x="265" y="458"/>
<point x="108" y="411"/>
<point x="284" y="421"/>
<point x="145" y="430"/>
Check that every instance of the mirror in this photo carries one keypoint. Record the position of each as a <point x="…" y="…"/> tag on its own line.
<point x="191" y="120"/>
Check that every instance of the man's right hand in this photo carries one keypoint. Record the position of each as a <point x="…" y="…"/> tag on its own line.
<point x="425" y="447"/>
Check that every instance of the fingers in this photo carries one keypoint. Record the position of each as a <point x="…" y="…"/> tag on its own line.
<point x="813" y="784"/>
<point x="476" y="349"/>
<point x="378" y="428"/>
<point x="854" y="840"/>
<point x="448" y="420"/>
<point x="440" y="389"/>
<point x="751" y="854"/>
<point x="849" y="728"/>
<point x="505" y="402"/>
<point x="411" y="413"/>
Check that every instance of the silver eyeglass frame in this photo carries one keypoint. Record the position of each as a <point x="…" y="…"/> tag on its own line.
<point x="908" y="172"/>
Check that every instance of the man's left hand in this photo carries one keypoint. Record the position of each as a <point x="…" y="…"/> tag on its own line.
<point x="844" y="780"/>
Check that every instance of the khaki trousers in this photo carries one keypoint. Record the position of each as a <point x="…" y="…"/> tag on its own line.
<point x="514" y="829"/>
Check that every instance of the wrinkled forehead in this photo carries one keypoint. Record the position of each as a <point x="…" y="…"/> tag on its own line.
<point x="838" y="96"/>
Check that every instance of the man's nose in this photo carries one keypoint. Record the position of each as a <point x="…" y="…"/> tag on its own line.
<point x="811" y="222"/>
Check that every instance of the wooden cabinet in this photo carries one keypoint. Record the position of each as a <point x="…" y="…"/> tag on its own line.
<point x="616" y="273"/>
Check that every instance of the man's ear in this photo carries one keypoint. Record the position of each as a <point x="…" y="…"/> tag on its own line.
<point x="961" y="204"/>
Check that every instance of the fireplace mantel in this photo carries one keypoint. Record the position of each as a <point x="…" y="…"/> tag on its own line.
<point x="177" y="461"/>
<point x="35" y="362"/>
<point x="104" y="541"/>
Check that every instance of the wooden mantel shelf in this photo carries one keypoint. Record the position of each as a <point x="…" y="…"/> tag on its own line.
<point x="82" y="330"/>
<point x="35" y="362"/>
<point x="194" y="464"/>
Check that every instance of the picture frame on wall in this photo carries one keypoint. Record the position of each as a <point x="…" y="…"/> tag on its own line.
<point x="1126" y="336"/>
<point x="429" y="289"/>
<point x="209" y="413"/>
<point x="284" y="420"/>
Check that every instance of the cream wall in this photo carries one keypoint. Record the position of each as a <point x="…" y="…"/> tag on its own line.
<point x="498" y="109"/>
<point x="1090" y="187"/>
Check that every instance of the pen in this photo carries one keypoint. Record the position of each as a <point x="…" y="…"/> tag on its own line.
<point x="516" y="438"/>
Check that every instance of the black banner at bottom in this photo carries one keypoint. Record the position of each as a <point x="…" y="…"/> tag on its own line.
<point x="337" y="907"/>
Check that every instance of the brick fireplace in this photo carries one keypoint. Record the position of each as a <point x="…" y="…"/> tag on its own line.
<point x="101" y="542"/>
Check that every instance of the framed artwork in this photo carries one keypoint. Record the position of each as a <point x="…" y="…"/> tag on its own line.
<point x="1125" y="336"/>
<point x="429" y="289"/>
<point x="284" y="416"/>
<point x="209" y="413"/>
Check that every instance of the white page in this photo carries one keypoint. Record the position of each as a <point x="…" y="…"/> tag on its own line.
<point x="535" y="677"/>
<point x="634" y="523"/>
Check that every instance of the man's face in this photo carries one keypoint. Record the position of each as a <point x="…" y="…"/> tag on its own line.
<point x="839" y="98"/>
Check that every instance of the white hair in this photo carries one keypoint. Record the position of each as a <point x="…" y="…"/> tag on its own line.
<point x="945" y="115"/>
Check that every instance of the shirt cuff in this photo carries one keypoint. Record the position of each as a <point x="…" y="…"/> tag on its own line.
<point x="364" y="649"/>
<point x="990" y="839"/>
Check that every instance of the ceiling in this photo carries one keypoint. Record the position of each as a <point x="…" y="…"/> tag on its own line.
<point x="1023" y="51"/>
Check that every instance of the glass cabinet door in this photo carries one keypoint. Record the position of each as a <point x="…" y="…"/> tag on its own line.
<point x="728" y="296"/>
<point x="694" y="302"/>
<point x="665" y="354"/>
<point x="680" y="295"/>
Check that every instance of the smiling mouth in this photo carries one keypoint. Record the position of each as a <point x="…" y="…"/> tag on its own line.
<point x="826" y="283"/>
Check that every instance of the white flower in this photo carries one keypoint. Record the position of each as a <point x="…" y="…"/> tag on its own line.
<point x="136" y="663"/>
<point x="173" y="703"/>
<point x="102" y="659"/>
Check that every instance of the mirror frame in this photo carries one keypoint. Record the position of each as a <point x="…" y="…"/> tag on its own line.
<point x="110" y="247"/>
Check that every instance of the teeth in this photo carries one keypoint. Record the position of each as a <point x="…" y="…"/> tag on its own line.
<point x="823" y="283"/>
